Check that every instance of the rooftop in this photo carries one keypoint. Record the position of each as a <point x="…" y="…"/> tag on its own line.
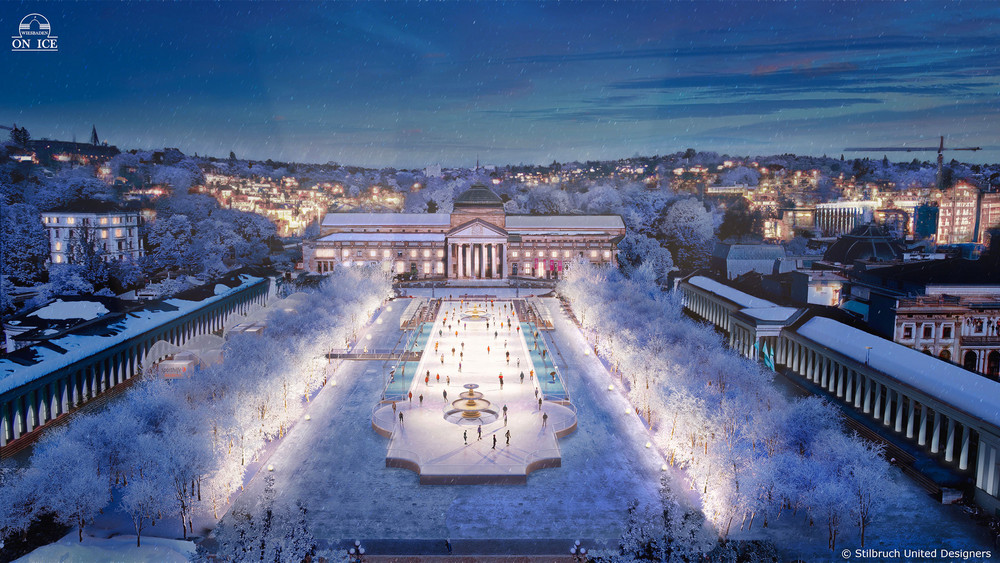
<point x="967" y="391"/>
<point x="478" y="195"/>
<point x="387" y="219"/>
<point x="585" y="222"/>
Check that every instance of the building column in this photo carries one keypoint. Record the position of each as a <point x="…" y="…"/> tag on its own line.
<point x="910" y="412"/>
<point x="922" y="427"/>
<point x="936" y="433"/>
<point x="474" y="248"/>
<point x="502" y="258"/>
<point x="868" y="395"/>
<point x="887" y="413"/>
<point x="482" y="260"/>
<point x="963" y="458"/>
<point x="849" y="385"/>
<point x="949" y="448"/>
<point x="878" y="402"/>
<point x="899" y="412"/>
<point x="5" y="425"/>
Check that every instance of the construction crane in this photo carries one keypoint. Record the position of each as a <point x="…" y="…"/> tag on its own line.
<point x="940" y="151"/>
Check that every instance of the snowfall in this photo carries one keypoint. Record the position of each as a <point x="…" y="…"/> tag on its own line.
<point x="335" y="463"/>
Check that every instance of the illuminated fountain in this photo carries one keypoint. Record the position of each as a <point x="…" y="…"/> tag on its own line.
<point x="475" y="314"/>
<point x="470" y="407"/>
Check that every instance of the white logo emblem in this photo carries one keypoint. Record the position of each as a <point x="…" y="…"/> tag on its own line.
<point x="34" y="34"/>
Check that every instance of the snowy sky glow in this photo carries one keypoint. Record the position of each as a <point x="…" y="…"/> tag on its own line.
<point x="406" y="84"/>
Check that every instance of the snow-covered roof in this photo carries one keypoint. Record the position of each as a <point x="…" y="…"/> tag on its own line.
<point x="383" y="237"/>
<point x="744" y="300"/>
<point x="65" y="350"/>
<point x="966" y="391"/>
<point x="534" y="222"/>
<point x="60" y="309"/>
<point x="386" y="219"/>
<point x="770" y="313"/>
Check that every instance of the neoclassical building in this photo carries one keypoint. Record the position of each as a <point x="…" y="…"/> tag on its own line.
<point x="478" y="240"/>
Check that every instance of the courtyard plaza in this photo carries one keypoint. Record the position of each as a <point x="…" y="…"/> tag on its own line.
<point x="335" y="464"/>
<point x="456" y="404"/>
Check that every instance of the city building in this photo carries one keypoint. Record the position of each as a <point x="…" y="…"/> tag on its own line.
<point x="47" y="152"/>
<point x="733" y="260"/>
<point x="961" y="329"/>
<point x="108" y="228"/>
<point x="966" y="213"/>
<point x="477" y="240"/>
<point x="841" y="217"/>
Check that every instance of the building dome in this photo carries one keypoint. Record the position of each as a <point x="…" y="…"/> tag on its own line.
<point x="478" y="195"/>
<point x="867" y="242"/>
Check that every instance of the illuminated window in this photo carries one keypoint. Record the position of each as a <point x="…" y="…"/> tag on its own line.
<point x="118" y="232"/>
<point x="565" y="254"/>
<point x="440" y="267"/>
<point x="58" y="245"/>
<point x="607" y="255"/>
<point x="513" y="254"/>
<point x="104" y="233"/>
<point x="427" y="253"/>
<point x="593" y="254"/>
<point x="399" y="266"/>
<point x="71" y="220"/>
<point x="440" y="255"/>
<point x="59" y="258"/>
<point x="117" y="220"/>
<point x="104" y="220"/>
<point x="347" y="254"/>
<point x="555" y="253"/>
<point x="413" y="254"/>
<point x="385" y="253"/>
<point x="372" y="253"/>
<point x="527" y="254"/>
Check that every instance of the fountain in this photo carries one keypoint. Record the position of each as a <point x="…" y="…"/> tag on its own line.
<point x="475" y="314"/>
<point x="471" y="407"/>
<point x="471" y="402"/>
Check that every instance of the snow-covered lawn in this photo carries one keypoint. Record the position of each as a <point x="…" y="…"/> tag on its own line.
<point x="335" y="464"/>
<point x="118" y="548"/>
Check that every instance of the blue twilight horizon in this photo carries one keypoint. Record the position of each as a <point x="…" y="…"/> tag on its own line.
<point x="411" y="84"/>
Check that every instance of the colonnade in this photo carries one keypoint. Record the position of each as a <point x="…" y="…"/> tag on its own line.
<point x="965" y="441"/>
<point x="710" y="309"/>
<point x="38" y="402"/>
<point x="478" y="259"/>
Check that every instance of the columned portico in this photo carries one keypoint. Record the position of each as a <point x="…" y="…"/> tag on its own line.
<point x="477" y="259"/>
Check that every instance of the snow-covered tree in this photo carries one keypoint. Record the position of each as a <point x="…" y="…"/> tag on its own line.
<point x="23" y="242"/>
<point x="69" y="279"/>
<point x="689" y="233"/>
<point x="69" y="472"/>
<point x="143" y="501"/>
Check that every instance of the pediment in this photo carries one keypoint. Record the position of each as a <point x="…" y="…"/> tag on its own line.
<point x="477" y="228"/>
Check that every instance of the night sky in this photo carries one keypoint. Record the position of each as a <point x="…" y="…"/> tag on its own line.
<point x="411" y="84"/>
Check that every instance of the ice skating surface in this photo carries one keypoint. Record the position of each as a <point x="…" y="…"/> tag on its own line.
<point x="449" y="449"/>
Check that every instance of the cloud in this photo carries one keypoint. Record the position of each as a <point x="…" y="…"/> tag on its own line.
<point x="666" y="111"/>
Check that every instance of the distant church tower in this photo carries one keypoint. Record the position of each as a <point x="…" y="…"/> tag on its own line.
<point x="93" y="136"/>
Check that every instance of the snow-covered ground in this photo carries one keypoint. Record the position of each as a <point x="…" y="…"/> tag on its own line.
<point x="335" y="464"/>
<point x="913" y="520"/>
<point x="118" y="548"/>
